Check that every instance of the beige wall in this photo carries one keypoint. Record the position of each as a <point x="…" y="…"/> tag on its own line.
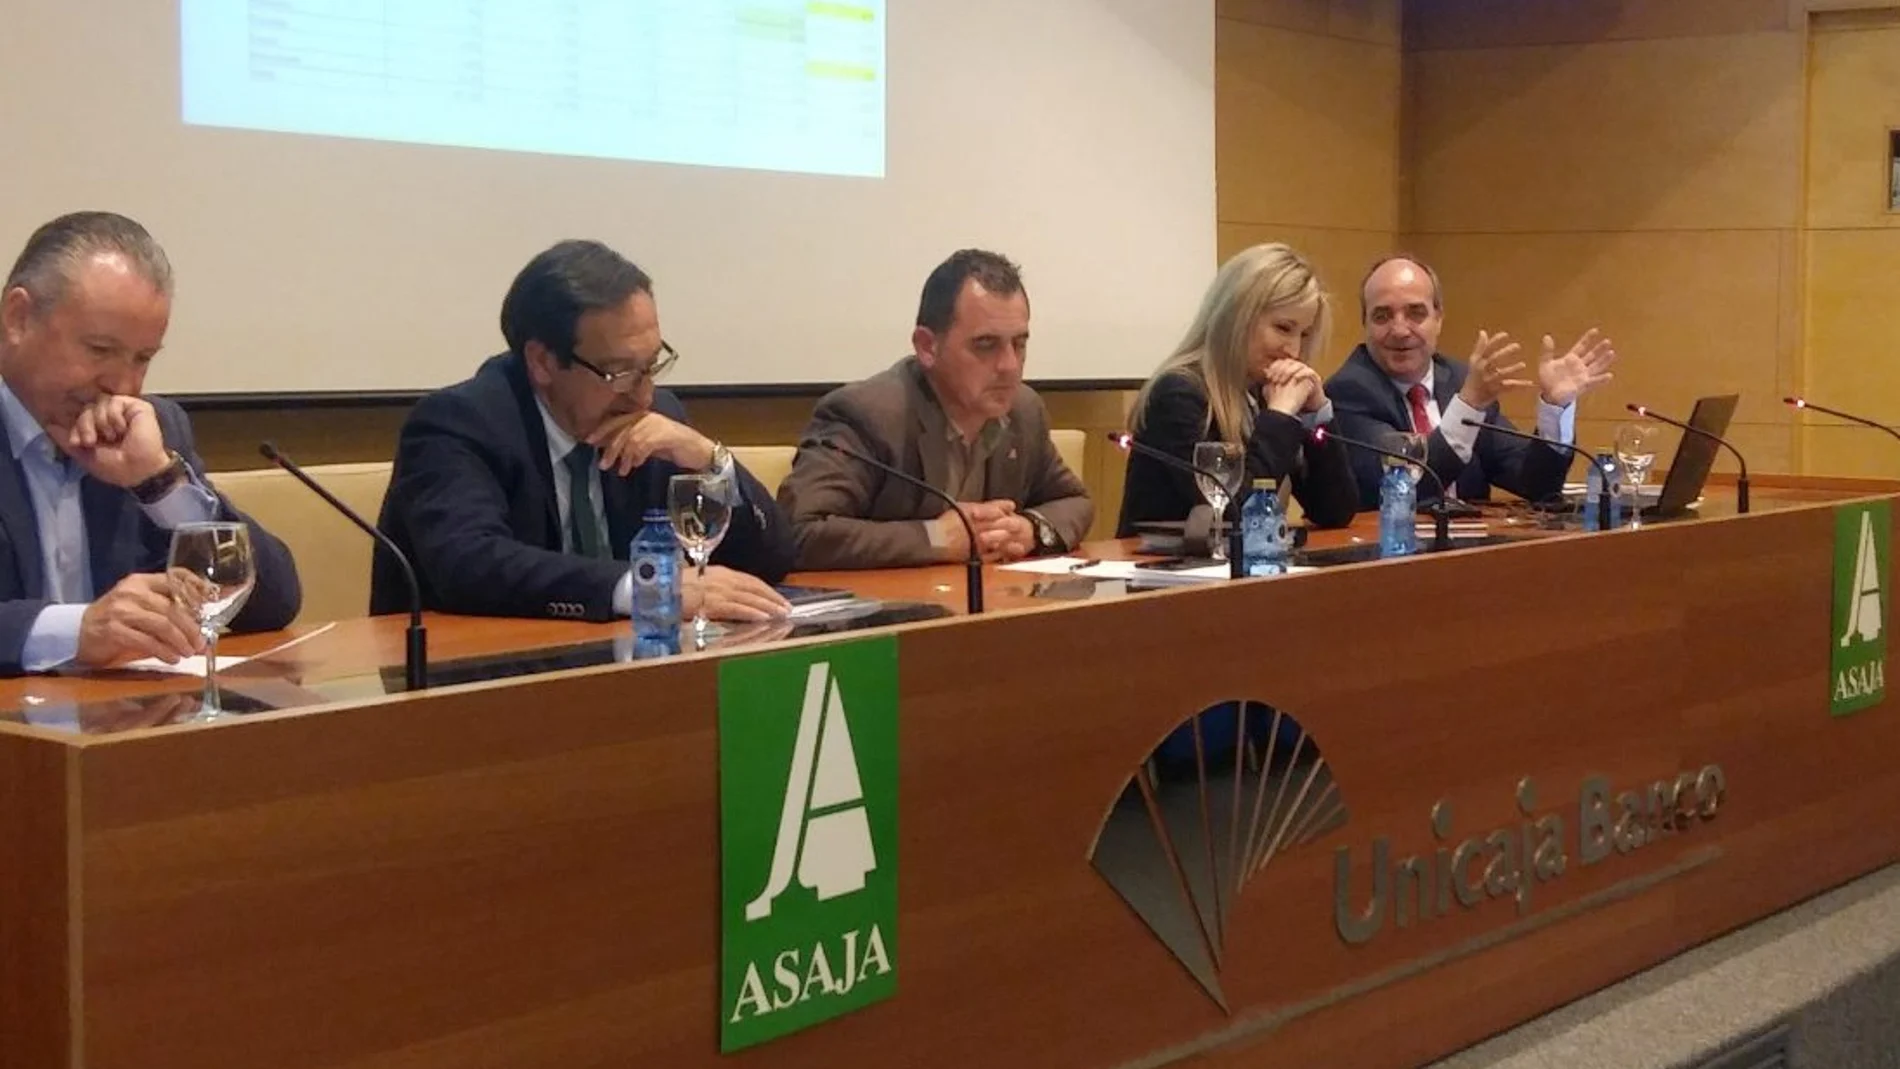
<point x="1629" y="164"/>
<point x="1853" y="240"/>
<point x="1307" y="129"/>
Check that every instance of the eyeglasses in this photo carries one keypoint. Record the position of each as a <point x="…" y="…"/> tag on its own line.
<point x="629" y="380"/>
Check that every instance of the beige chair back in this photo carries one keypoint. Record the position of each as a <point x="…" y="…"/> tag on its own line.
<point x="770" y="464"/>
<point x="333" y="556"/>
<point x="1073" y="445"/>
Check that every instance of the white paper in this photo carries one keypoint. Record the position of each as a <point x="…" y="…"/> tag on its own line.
<point x="1048" y="565"/>
<point x="823" y="608"/>
<point x="190" y="666"/>
<point x="195" y="665"/>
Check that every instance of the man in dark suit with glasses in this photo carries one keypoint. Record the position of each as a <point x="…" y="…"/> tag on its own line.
<point x="518" y="491"/>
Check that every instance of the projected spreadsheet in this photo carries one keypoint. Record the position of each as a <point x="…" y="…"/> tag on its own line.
<point x="793" y="85"/>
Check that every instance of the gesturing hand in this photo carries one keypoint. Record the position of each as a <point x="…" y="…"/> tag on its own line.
<point x="1495" y="368"/>
<point x="1583" y="368"/>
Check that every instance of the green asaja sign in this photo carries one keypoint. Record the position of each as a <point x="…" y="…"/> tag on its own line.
<point x="808" y="836"/>
<point x="1858" y="646"/>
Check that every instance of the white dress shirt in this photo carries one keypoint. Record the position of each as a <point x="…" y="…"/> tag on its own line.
<point x="560" y="444"/>
<point x="1553" y="423"/>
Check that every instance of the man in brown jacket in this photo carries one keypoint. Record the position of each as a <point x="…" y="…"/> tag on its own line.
<point x="955" y="414"/>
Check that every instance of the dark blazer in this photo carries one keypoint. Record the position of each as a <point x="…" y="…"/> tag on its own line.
<point x="1369" y="406"/>
<point x="471" y="502"/>
<point x="121" y="541"/>
<point x="847" y="514"/>
<point x="1175" y="418"/>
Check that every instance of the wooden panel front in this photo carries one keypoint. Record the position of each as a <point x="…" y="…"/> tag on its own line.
<point x="36" y="890"/>
<point x="524" y="874"/>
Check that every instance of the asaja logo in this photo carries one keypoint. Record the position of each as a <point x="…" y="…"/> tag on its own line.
<point x="1858" y="651"/>
<point x="808" y="830"/>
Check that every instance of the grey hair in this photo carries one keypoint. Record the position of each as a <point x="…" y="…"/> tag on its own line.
<point x="53" y="254"/>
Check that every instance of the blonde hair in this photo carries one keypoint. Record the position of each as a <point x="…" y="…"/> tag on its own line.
<point x="1254" y="282"/>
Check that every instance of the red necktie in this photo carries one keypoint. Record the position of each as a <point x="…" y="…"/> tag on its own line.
<point x="1421" y="418"/>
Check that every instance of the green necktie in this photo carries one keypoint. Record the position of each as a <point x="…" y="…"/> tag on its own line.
<point x="583" y="527"/>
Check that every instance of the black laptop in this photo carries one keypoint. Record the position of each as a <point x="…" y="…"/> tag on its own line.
<point x="1695" y="455"/>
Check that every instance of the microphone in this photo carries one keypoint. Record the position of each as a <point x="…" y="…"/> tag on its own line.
<point x="1603" y="499"/>
<point x="1441" y="514"/>
<point x="416" y="657"/>
<point x="1741" y="480"/>
<point x="1802" y="402"/>
<point x="973" y="566"/>
<point x="1126" y="442"/>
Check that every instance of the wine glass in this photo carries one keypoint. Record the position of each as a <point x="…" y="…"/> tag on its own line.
<point x="212" y="573"/>
<point x="699" y="505"/>
<point x="1227" y="461"/>
<point x="1636" y="451"/>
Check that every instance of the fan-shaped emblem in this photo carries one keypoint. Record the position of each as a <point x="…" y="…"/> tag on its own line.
<point x="1232" y="788"/>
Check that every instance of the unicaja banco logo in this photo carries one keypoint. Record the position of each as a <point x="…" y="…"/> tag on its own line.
<point x="1230" y="790"/>
<point x="1858" y="652"/>
<point x="808" y="829"/>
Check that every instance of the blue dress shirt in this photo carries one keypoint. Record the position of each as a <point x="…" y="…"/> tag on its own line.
<point x="52" y="483"/>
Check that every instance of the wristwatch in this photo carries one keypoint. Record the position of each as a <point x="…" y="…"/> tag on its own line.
<point x="721" y="458"/>
<point x="152" y="490"/>
<point x="1047" y="540"/>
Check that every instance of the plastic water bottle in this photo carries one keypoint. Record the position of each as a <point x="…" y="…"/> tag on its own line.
<point x="1398" y="512"/>
<point x="1605" y="477"/>
<point x="1263" y="541"/>
<point x="654" y="559"/>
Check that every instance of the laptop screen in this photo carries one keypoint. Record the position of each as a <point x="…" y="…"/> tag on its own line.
<point x="1695" y="455"/>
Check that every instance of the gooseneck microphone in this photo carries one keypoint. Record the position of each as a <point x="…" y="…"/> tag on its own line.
<point x="416" y="656"/>
<point x="1441" y="511"/>
<point x="1603" y="499"/>
<point x="1126" y="442"/>
<point x="1741" y="480"/>
<point x="1802" y="402"/>
<point x="972" y="565"/>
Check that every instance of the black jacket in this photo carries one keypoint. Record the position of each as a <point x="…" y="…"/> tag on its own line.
<point x="1175" y="419"/>
<point x="1369" y="407"/>
<point x="471" y="501"/>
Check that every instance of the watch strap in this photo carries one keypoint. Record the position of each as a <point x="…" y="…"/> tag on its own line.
<point x="152" y="490"/>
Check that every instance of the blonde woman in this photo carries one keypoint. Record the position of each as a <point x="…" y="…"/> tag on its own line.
<point x="1243" y="375"/>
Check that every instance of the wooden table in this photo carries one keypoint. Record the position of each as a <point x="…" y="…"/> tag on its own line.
<point x="524" y="873"/>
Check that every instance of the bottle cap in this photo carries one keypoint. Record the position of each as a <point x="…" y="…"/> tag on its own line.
<point x="1263" y="484"/>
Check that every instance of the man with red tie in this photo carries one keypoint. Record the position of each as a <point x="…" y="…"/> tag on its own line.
<point x="1398" y="381"/>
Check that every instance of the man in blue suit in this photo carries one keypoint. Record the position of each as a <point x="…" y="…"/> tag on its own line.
<point x="1398" y="381"/>
<point x="518" y="491"/>
<point x="95" y="475"/>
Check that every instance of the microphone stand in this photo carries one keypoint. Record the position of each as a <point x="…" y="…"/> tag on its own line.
<point x="1441" y="512"/>
<point x="416" y="655"/>
<point x="1603" y="499"/>
<point x="1127" y="441"/>
<point x="1741" y="480"/>
<point x="973" y="564"/>
<point x="1802" y="402"/>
